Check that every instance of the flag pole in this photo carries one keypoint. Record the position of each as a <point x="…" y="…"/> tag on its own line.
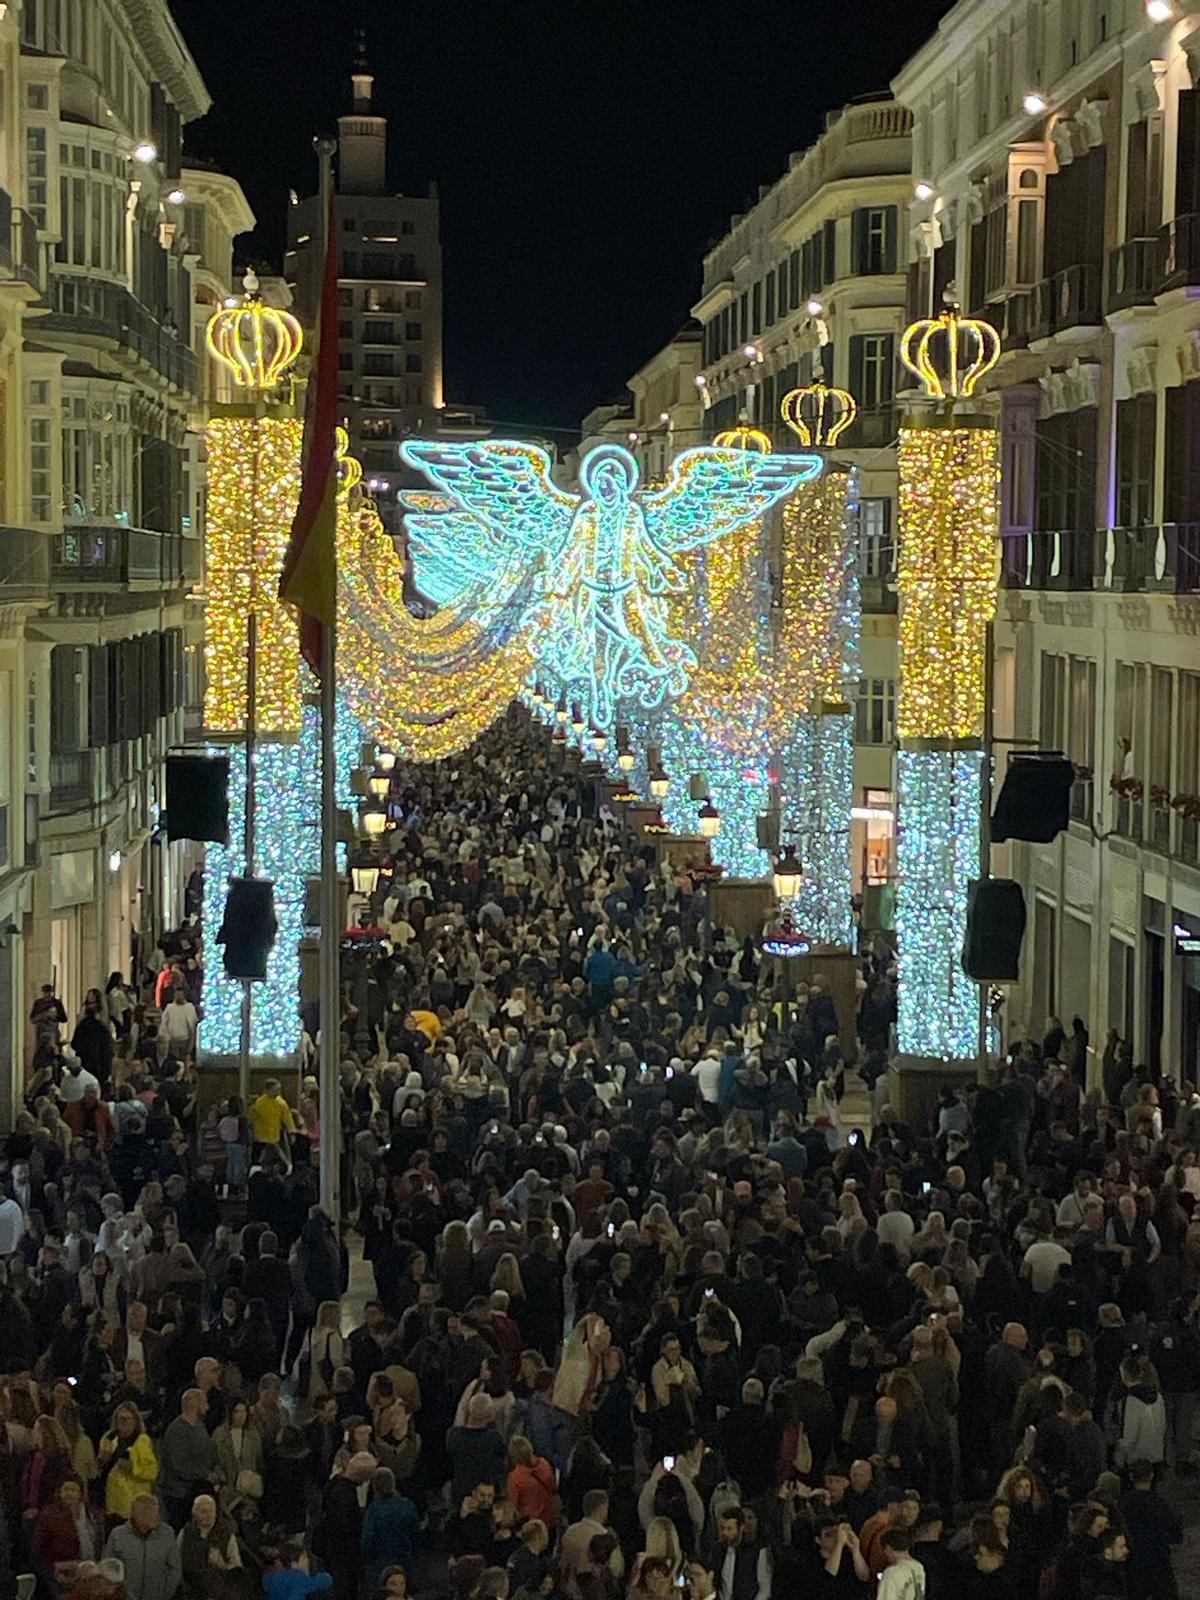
<point x="331" y="1009"/>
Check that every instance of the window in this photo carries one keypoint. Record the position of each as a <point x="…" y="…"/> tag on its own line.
<point x="346" y="361"/>
<point x="412" y="330"/>
<point x="873" y="240"/>
<point x="1081" y="732"/>
<point x="1052" y="732"/>
<point x="36" y="188"/>
<point x="794" y="277"/>
<point x="1136" y="426"/>
<point x="345" y="297"/>
<point x="872" y="369"/>
<point x="346" y="328"/>
<point x="756" y="313"/>
<point x="40" y="468"/>
<point x="412" y="299"/>
<point x="1066" y="471"/>
<point x="770" y="312"/>
<point x="412" y="362"/>
<point x="876" y="542"/>
<point x="37" y="97"/>
<point x="378" y="333"/>
<point x="875" y="711"/>
<point x="781" y="289"/>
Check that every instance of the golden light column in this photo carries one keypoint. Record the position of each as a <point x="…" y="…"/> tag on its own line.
<point x="816" y="666"/>
<point x="949" y="527"/>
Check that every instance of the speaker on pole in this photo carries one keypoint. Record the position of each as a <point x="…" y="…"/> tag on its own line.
<point x="995" y="929"/>
<point x="249" y="928"/>
<point x="1035" y="798"/>
<point x="198" y="798"/>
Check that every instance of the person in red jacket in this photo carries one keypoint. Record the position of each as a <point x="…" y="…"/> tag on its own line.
<point x="64" y="1534"/>
<point x="90" y="1115"/>
<point x="532" y="1483"/>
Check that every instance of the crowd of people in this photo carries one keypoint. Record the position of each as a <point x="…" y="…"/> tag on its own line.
<point x="652" y="1311"/>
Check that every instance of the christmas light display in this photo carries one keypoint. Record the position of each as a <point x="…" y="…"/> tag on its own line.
<point x="254" y="342"/>
<point x="604" y="559"/>
<point x="938" y="853"/>
<point x="287" y="852"/>
<point x="253" y="485"/>
<point x="949" y="525"/>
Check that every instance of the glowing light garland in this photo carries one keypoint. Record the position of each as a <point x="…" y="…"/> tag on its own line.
<point x="949" y="526"/>
<point x="938" y="853"/>
<point x="253" y="486"/>
<point x="287" y="851"/>
<point x="605" y="560"/>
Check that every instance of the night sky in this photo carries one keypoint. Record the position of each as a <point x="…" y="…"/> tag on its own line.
<point x="586" y="153"/>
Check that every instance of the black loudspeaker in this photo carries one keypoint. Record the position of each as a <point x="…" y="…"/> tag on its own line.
<point x="198" y="798"/>
<point x="248" y="931"/>
<point x="1035" y="799"/>
<point x="995" y="929"/>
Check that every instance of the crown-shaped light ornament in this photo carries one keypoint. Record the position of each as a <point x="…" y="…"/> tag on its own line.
<point x="253" y="341"/>
<point x="349" y="468"/>
<point x="817" y="414"/>
<point x="950" y="353"/>
<point x="744" y="437"/>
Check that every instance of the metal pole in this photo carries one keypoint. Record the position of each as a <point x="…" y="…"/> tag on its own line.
<point x="251" y="787"/>
<point x="985" y="824"/>
<point x="331" y="1010"/>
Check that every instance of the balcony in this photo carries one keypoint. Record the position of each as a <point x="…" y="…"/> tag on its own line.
<point x="115" y="557"/>
<point x="1057" y="560"/>
<point x="72" y="779"/>
<point x="1068" y="301"/>
<point x="1011" y="317"/>
<point x="24" y="565"/>
<point x="20" y="251"/>
<point x="1134" y="269"/>
<point x="1179" y="243"/>
<point x="91" y="308"/>
<point x="871" y="429"/>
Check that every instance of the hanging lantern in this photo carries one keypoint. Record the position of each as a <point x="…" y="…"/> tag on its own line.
<point x="374" y="820"/>
<point x="709" y="820"/>
<point x="660" y="783"/>
<point x="364" y="873"/>
<point x="386" y="760"/>
<point x="787" y="874"/>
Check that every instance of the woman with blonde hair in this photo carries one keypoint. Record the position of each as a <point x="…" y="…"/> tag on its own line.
<point x="507" y="1276"/>
<point x="530" y="1561"/>
<point x="82" y="1451"/>
<point x="127" y="1455"/>
<point x="662" y="1544"/>
<point x="47" y="1468"/>
<point x="327" y="1351"/>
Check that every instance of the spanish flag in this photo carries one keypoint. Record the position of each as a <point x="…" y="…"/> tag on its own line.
<point x="309" y="577"/>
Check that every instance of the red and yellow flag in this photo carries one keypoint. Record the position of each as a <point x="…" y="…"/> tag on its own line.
<point x="309" y="577"/>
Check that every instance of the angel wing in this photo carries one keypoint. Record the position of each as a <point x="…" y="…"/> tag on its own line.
<point x="711" y="492"/>
<point x="452" y="553"/>
<point x="499" y="489"/>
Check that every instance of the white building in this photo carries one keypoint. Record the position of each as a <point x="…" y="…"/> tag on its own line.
<point x="1057" y="145"/>
<point x="101" y="392"/>
<point x="814" y="271"/>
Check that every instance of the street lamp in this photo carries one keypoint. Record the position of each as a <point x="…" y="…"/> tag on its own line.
<point x="577" y="722"/>
<point x="386" y="760"/>
<point x="660" y="783"/>
<point x="786" y="943"/>
<point x="364" y="873"/>
<point x="560" y="711"/>
<point x="374" y="820"/>
<point x="626" y="759"/>
<point x="709" y="820"/>
<point x="379" y="783"/>
<point x="787" y="874"/>
<point x="599" y="741"/>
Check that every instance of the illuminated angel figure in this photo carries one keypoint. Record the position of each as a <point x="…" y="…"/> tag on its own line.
<point x="603" y="559"/>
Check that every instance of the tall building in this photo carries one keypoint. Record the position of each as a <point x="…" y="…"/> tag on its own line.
<point x="811" y="273"/>
<point x="1057" y="152"/>
<point x="390" y="297"/>
<point x="101" y="491"/>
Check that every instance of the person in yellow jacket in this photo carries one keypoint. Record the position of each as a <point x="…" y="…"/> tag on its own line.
<point x="271" y="1121"/>
<point x="128" y="1460"/>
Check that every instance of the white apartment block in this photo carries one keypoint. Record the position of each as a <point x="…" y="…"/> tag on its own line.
<point x="1057" y="148"/>
<point x="110" y="255"/>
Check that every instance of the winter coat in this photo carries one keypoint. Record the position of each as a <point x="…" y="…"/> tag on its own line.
<point x="1142" y="1413"/>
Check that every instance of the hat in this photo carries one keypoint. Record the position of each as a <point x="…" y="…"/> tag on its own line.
<point x="480" y="1409"/>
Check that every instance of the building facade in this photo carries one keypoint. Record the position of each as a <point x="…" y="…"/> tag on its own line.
<point x="1057" y="156"/>
<point x="811" y="280"/>
<point x="390" y="299"/>
<point x="101" y="390"/>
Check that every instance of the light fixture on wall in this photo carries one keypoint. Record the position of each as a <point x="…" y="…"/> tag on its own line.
<point x="1034" y="102"/>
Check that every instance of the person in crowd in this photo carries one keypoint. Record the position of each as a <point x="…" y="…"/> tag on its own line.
<point x="657" y="1292"/>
